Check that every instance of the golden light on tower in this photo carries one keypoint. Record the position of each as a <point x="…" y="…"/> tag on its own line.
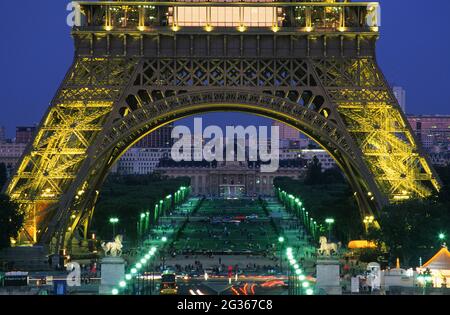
<point x="242" y="28"/>
<point x="208" y="28"/>
<point x="175" y="28"/>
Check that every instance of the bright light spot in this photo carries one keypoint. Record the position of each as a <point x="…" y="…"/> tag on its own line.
<point x="309" y="292"/>
<point x="305" y="284"/>
<point x="241" y="28"/>
<point x="122" y="284"/>
<point x="138" y="265"/>
<point x="301" y="277"/>
<point x="115" y="291"/>
<point x="128" y="277"/>
<point x="133" y="270"/>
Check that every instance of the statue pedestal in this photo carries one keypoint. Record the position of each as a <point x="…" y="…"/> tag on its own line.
<point x="328" y="276"/>
<point x="112" y="270"/>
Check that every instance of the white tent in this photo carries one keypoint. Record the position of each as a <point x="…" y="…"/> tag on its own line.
<point x="439" y="266"/>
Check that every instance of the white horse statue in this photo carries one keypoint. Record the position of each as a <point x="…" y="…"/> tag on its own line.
<point x="327" y="249"/>
<point x="113" y="249"/>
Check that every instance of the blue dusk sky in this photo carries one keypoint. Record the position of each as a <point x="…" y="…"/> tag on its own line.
<point x="37" y="50"/>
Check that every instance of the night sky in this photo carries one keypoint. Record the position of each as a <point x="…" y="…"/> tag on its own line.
<point x="37" y="50"/>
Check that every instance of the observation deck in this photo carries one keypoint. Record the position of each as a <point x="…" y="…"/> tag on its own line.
<point x="131" y="28"/>
<point x="227" y="16"/>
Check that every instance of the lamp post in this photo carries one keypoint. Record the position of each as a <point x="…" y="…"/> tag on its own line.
<point x="281" y="241"/>
<point x="114" y="221"/>
<point x="141" y="226"/>
<point x="163" y="252"/>
<point x="367" y="221"/>
<point x="330" y="222"/>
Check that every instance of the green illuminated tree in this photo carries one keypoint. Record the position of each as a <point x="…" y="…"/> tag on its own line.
<point x="410" y="229"/>
<point x="11" y="220"/>
<point x="3" y="175"/>
<point x="314" y="174"/>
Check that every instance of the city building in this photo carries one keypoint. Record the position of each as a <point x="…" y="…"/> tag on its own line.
<point x="308" y="155"/>
<point x="160" y="138"/>
<point x="24" y="134"/>
<point x="10" y="154"/>
<point x="433" y="131"/>
<point x="230" y="179"/>
<point x="440" y="159"/>
<point x="286" y="132"/>
<point x="140" y="161"/>
<point x="400" y="95"/>
<point x="2" y="134"/>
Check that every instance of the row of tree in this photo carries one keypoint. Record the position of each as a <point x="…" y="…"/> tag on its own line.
<point x="416" y="229"/>
<point x="127" y="197"/>
<point x="11" y="219"/>
<point x="326" y="194"/>
<point x="409" y="230"/>
<point x="124" y="197"/>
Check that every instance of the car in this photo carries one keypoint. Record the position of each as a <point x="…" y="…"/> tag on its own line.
<point x="194" y="273"/>
<point x="185" y="276"/>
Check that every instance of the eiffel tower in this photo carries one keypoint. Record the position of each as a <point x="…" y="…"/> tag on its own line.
<point x="143" y="64"/>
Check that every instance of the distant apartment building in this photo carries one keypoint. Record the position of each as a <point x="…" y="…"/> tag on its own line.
<point x="286" y="132"/>
<point x="230" y="179"/>
<point x="25" y="134"/>
<point x="400" y="95"/>
<point x="308" y="155"/>
<point x="10" y="154"/>
<point x="440" y="159"/>
<point x="140" y="161"/>
<point x="2" y="134"/>
<point x="433" y="131"/>
<point x="160" y="138"/>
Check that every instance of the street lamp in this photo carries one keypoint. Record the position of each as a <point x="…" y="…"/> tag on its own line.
<point x="114" y="221"/>
<point x="163" y="252"/>
<point x="441" y="236"/>
<point x="281" y="241"/>
<point x="367" y="221"/>
<point x="330" y="222"/>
